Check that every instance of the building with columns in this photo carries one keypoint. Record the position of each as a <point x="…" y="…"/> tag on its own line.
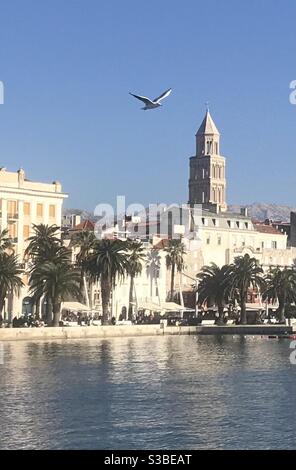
<point x="22" y="204"/>
<point x="207" y="180"/>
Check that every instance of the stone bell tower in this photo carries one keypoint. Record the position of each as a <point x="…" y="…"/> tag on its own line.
<point x="207" y="180"/>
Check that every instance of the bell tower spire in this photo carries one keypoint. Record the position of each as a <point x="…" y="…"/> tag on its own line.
<point x="207" y="182"/>
<point x="207" y="137"/>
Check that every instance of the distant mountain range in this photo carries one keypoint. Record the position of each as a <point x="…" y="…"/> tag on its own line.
<point x="257" y="210"/>
<point x="85" y="215"/>
<point x="261" y="211"/>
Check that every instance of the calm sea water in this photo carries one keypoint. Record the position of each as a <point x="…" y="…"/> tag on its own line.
<point x="148" y="393"/>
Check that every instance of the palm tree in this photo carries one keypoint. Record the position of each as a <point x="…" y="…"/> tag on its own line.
<point x="5" y="241"/>
<point x="244" y="273"/>
<point x="45" y="247"/>
<point x="136" y="257"/>
<point x="10" y="281"/>
<point x="44" y="238"/>
<point x="56" y="282"/>
<point x="85" y="240"/>
<point x="55" y="254"/>
<point x="107" y="263"/>
<point x="175" y="261"/>
<point x="153" y="269"/>
<point x="214" y="286"/>
<point x="281" y="287"/>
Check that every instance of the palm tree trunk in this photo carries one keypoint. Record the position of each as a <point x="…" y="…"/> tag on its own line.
<point x="243" y="317"/>
<point x="105" y="294"/>
<point x="2" y="302"/>
<point x="157" y="290"/>
<point x="221" y="314"/>
<point x="281" y="311"/>
<point x="86" y="293"/>
<point x="91" y="294"/>
<point x="172" y="282"/>
<point x="48" y="311"/>
<point x="151" y="284"/>
<point x="131" y="298"/>
<point x="56" y="313"/>
<point x="81" y="286"/>
<point x="37" y="308"/>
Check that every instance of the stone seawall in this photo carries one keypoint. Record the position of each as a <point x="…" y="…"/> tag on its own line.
<point x="84" y="332"/>
<point x="87" y="332"/>
<point x="262" y="330"/>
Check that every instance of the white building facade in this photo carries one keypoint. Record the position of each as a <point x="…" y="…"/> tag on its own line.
<point x="22" y="204"/>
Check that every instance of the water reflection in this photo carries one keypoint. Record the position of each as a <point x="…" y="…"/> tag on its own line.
<point x="150" y="392"/>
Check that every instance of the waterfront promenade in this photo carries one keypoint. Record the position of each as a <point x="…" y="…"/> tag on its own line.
<point x="87" y="332"/>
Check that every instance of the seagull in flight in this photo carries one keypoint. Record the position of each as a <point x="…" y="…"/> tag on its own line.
<point x="151" y="104"/>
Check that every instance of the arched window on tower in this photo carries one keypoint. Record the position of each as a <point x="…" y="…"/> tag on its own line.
<point x="209" y="147"/>
<point x="200" y="147"/>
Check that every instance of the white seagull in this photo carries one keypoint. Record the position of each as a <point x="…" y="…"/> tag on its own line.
<point x="151" y="104"/>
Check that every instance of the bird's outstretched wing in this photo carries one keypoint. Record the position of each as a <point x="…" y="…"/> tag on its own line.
<point x="163" y="95"/>
<point x="142" y="98"/>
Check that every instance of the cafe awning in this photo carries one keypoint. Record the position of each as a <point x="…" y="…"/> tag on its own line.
<point x="75" y="306"/>
<point x="256" y="306"/>
<point x="152" y="306"/>
<point x="163" y="307"/>
<point x="173" y="307"/>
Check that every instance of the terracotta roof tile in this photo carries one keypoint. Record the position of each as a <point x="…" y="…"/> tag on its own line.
<point x="267" y="229"/>
<point x="85" y="225"/>
<point x="162" y="244"/>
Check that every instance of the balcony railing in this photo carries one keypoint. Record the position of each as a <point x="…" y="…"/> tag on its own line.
<point x="13" y="216"/>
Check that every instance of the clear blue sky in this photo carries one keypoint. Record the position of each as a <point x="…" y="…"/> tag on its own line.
<point x="68" y="67"/>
